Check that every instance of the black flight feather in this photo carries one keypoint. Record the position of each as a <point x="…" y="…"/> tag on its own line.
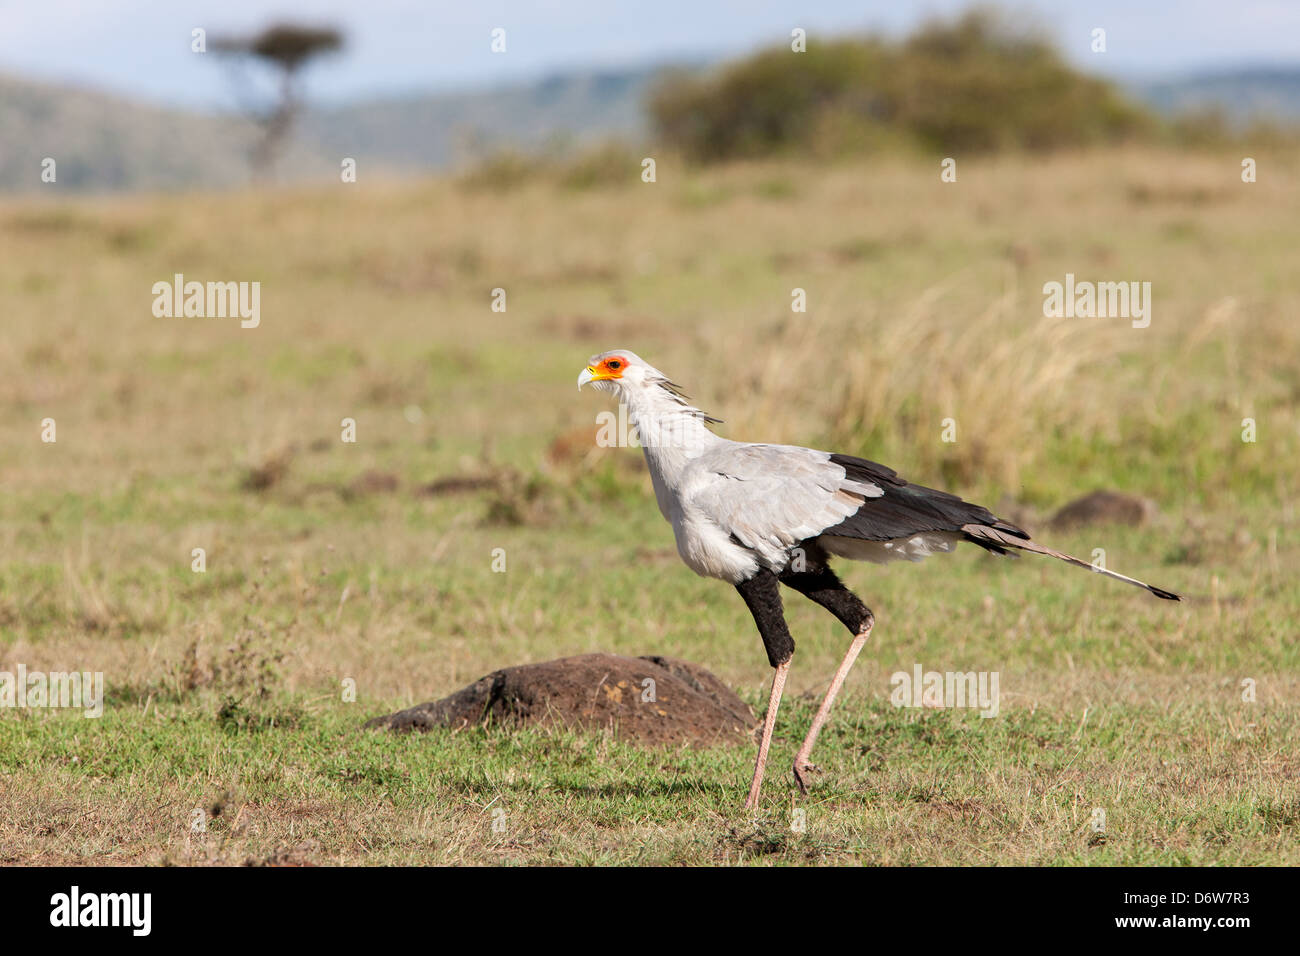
<point x="906" y="509"/>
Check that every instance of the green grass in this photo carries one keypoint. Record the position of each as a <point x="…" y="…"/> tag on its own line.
<point x="1178" y="785"/>
<point x="224" y="688"/>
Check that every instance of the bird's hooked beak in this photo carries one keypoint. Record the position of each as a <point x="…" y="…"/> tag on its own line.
<point x="594" y="373"/>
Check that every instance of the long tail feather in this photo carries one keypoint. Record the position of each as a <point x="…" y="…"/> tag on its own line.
<point x="995" y="539"/>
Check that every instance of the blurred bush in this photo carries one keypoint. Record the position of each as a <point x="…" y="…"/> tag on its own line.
<point x="602" y="164"/>
<point x="977" y="83"/>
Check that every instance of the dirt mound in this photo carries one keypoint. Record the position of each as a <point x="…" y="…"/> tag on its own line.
<point x="647" y="700"/>
<point x="1104" y="507"/>
<point x="374" y="482"/>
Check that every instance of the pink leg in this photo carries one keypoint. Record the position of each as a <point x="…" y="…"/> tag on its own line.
<point x="802" y="766"/>
<point x="769" y="722"/>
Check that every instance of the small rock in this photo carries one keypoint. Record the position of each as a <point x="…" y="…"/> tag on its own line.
<point x="1104" y="507"/>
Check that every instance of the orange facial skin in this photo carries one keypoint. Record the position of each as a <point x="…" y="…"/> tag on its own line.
<point x="611" y="367"/>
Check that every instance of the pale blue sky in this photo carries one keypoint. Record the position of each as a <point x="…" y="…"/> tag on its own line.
<point x="141" y="47"/>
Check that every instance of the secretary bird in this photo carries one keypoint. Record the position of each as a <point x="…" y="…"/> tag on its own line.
<point x="761" y="515"/>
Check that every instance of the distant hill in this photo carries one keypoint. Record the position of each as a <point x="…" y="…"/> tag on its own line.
<point x="425" y="131"/>
<point x="104" y="143"/>
<point x="1241" y="95"/>
<point x="107" y="143"/>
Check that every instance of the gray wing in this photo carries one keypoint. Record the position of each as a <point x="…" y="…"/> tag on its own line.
<point x="771" y="497"/>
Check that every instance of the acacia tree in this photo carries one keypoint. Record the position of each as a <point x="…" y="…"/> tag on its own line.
<point x="285" y="48"/>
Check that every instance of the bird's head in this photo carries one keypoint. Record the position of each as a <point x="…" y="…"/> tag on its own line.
<point x="643" y="388"/>
<point x="620" y="370"/>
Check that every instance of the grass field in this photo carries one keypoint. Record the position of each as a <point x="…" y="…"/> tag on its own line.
<point x="225" y="736"/>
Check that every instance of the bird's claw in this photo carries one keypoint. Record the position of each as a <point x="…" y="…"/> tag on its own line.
<point x="800" y="769"/>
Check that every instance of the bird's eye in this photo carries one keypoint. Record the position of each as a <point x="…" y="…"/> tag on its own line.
<point x="614" y="363"/>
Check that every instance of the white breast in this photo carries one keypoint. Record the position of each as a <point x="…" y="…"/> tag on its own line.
<point x="708" y="550"/>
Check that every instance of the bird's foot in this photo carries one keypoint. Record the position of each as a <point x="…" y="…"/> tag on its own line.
<point x="801" y="770"/>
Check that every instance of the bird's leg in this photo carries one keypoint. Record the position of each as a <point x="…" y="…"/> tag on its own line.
<point x="802" y="764"/>
<point x="821" y="585"/>
<point x="763" y="597"/>
<point x="769" y="722"/>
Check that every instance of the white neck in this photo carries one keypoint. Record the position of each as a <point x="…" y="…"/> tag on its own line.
<point x="672" y="432"/>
